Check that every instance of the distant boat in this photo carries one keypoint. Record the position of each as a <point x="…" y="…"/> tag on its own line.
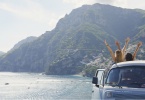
<point x="6" y="83"/>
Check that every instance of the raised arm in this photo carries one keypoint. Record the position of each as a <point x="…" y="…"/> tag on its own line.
<point x="118" y="45"/>
<point x="125" y="46"/>
<point x="136" y="50"/>
<point x="110" y="50"/>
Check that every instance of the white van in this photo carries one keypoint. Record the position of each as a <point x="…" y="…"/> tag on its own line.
<point x="125" y="80"/>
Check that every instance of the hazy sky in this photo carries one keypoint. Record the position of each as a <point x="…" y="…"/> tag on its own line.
<point x="23" y="18"/>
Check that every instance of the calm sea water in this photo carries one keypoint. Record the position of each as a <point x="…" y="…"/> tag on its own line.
<point x="30" y="86"/>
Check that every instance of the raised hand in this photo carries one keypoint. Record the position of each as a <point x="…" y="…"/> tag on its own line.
<point x="139" y="44"/>
<point x="136" y="50"/>
<point x="106" y="43"/>
<point x="117" y="43"/>
<point x="127" y="40"/>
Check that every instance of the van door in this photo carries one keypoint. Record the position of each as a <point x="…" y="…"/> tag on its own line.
<point x="96" y="91"/>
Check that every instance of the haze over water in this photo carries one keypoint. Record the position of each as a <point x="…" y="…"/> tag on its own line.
<point x="31" y="86"/>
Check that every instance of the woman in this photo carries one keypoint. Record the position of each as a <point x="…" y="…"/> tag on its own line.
<point x="118" y="56"/>
<point x="131" y="57"/>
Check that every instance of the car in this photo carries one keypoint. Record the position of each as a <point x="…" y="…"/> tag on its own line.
<point x="124" y="80"/>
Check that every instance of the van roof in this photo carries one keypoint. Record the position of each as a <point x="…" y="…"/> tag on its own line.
<point x="128" y="63"/>
<point x="101" y="69"/>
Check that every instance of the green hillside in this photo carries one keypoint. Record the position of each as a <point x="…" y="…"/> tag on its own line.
<point x="77" y="40"/>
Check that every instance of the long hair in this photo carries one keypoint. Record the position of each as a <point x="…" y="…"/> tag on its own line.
<point x="118" y="56"/>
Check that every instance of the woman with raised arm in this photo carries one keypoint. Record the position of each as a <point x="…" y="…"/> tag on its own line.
<point x="118" y="56"/>
<point x="131" y="57"/>
<point x="124" y="48"/>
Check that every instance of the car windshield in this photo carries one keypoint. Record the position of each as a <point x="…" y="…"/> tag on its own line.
<point x="131" y="76"/>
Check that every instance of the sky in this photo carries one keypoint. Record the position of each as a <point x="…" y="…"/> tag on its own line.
<point x="20" y="19"/>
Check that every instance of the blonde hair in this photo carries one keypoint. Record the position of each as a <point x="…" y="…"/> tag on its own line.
<point x="118" y="56"/>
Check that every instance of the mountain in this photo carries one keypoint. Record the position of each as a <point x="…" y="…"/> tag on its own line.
<point x="77" y="41"/>
<point x="27" y="40"/>
<point x="2" y="53"/>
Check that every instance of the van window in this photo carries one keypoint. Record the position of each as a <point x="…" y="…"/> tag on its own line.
<point x="113" y="77"/>
<point x="99" y="75"/>
<point x="129" y="76"/>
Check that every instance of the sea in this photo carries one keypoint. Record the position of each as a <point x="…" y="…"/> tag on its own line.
<point x="37" y="86"/>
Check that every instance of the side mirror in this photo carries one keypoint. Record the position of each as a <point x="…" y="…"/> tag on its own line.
<point x="95" y="80"/>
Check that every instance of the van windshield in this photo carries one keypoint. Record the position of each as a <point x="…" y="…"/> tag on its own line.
<point x="130" y="76"/>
